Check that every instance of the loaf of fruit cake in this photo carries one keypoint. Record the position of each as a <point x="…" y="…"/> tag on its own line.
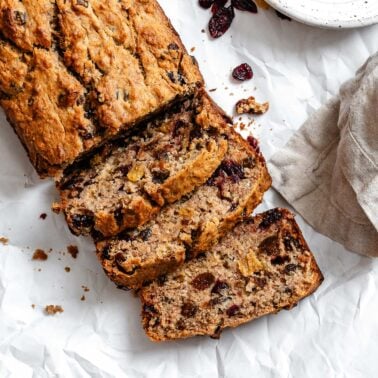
<point x="127" y="181"/>
<point x="261" y="267"/>
<point x="191" y="225"/>
<point x="76" y="73"/>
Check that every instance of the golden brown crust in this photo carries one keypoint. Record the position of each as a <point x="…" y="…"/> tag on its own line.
<point x="178" y="307"/>
<point x="104" y="67"/>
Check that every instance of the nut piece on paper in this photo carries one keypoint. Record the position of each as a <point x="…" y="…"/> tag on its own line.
<point x="53" y="309"/>
<point x="251" y="106"/>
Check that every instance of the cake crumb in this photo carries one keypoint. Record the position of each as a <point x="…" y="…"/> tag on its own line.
<point x="82" y="298"/>
<point x="4" y="240"/>
<point x="40" y="254"/>
<point x="212" y="90"/>
<point x="203" y="31"/>
<point x="84" y="288"/>
<point x="53" y="309"/>
<point x="67" y="269"/>
<point x="43" y="216"/>
<point x="251" y="106"/>
<point x="242" y="125"/>
<point x="73" y="251"/>
<point x="33" y="306"/>
<point x="192" y="49"/>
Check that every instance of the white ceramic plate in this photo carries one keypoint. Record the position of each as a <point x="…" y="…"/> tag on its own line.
<point x="330" y="13"/>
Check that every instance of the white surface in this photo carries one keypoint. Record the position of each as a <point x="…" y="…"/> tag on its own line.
<point x="330" y="13"/>
<point x="334" y="333"/>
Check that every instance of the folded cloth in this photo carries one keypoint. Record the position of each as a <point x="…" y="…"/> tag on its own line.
<point x="329" y="169"/>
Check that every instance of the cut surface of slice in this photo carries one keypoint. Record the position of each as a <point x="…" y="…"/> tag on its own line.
<point x="189" y="226"/>
<point x="261" y="267"/>
<point x="129" y="180"/>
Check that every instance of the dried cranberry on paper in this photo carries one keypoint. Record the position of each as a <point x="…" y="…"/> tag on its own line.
<point x="244" y="5"/>
<point x="217" y="5"/>
<point x="221" y="21"/>
<point x="242" y="72"/>
<point x="206" y="3"/>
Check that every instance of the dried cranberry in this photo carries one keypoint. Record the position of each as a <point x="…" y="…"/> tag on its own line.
<point x="149" y="311"/>
<point x="289" y="268"/>
<point x="260" y="281"/>
<point x="254" y="143"/>
<point x="244" y="5"/>
<point x="158" y="177"/>
<point x="219" y="286"/>
<point x="242" y="72"/>
<point x="161" y="280"/>
<point x="233" y="310"/>
<point x="124" y="169"/>
<point x="179" y="124"/>
<point x="145" y="234"/>
<point x="282" y="16"/>
<point x="203" y="281"/>
<point x="106" y="252"/>
<point x="82" y="221"/>
<point x="196" y="132"/>
<point x="233" y="170"/>
<point x="279" y="260"/>
<point x="206" y="3"/>
<point x="119" y="258"/>
<point x="217" y="5"/>
<point x="188" y="310"/>
<point x="270" y="217"/>
<point x="270" y="246"/>
<point x="221" y="21"/>
<point x="173" y="46"/>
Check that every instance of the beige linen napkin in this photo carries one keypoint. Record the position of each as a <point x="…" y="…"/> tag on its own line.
<point x="329" y="169"/>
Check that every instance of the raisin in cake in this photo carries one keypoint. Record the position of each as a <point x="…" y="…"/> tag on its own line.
<point x="127" y="182"/>
<point x="75" y="73"/>
<point x="184" y="229"/>
<point x="261" y="267"/>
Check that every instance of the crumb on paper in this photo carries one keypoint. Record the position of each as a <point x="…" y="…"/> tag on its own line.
<point x="242" y="125"/>
<point x="56" y="208"/>
<point x="86" y="289"/>
<point x="73" y="250"/>
<point x="43" y="216"/>
<point x="82" y="298"/>
<point x="33" y="306"/>
<point x="53" y="309"/>
<point x="203" y="31"/>
<point x="67" y="269"/>
<point x="40" y="254"/>
<point x="192" y="49"/>
<point x="4" y="240"/>
<point x="251" y="106"/>
<point x="212" y="90"/>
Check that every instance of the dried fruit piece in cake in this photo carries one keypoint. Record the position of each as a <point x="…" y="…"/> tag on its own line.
<point x="74" y="74"/>
<point x="129" y="180"/>
<point x="261" y="267"/>
<point x="183" y="230"/>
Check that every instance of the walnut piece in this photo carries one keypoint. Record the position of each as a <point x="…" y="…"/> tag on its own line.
<point x="250" y="264"/>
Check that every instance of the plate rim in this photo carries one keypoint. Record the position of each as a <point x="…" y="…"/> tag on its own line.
<point x="300" y="17"/>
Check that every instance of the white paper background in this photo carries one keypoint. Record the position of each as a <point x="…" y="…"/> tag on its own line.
<point x="334" y="333"/>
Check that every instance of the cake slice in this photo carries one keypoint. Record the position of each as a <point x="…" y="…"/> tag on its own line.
<point x="191" y="225"/>
<point x="261" y="267"/>
<point x="76" y="73"/>
<point x="129" y="180"/>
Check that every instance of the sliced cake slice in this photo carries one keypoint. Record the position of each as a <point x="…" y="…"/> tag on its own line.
<point x="263" y="266"/>
<point x="128" y="181"/>
<point x="184" y="229"/>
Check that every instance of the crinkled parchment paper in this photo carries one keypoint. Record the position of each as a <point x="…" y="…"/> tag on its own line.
<point x="334" y="333"/>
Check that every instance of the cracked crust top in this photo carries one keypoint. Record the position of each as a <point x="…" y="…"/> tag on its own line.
<point x="75" y="73"/>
